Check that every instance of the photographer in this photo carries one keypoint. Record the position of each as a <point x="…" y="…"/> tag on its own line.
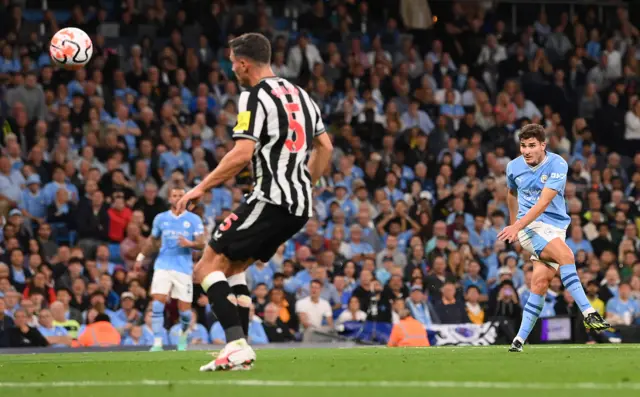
<point x="504" y="301"/>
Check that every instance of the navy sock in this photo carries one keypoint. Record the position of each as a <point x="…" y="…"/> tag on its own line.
<point x="571" y="282"/>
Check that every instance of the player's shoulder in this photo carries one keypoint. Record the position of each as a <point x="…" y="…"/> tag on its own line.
<point x="193" y="217"/>
<point x="161" y="215"/>
<point x="557" y="160"/>
<point x="515" y="164"/>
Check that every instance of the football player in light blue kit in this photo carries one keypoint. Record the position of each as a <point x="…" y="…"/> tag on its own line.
<point x="539" y="220"/>
<point x="174" y="235"/>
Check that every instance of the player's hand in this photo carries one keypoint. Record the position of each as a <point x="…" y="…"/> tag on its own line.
<point x="184" y="243"/>
<point x="192" y="195"/>
<point x="509" y="234"/>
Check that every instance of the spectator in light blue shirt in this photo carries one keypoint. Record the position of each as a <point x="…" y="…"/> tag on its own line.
<point x="50" y="189"/>
<point x="259" y="273"/>
<point x="358" y="249"/>
<point x="328" y="292"/>
<point x="473" y="278"/>
<point x="577" y="241"/>
<point x="391" y="188"/>
<point x="34" y="204"/>
<point x="197" y="333"/>
<point x="222" y="197"/>
<point x="136" y="337"/>
<point x="56" y="335"/>
<point x="622" y="310"/>
<point x="9" y="63"/>
<point x="175" y="158"/>
<point x="343" y="200"/>
<point x="414" y="117"/>
<point x="127" y="128"/>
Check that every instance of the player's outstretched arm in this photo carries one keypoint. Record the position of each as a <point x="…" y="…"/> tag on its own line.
<point x="230" y="165"/>
<point x="512" y="204"/>
<point x="510" y="233"/>
<point x="150" y="246"/>
<point x="320" y="156"/>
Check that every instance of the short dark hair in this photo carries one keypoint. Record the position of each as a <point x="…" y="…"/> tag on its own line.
<point x="532" y="131"/>
<point x="253" y="46"/>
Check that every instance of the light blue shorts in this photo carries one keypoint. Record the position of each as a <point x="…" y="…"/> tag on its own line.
<point x="536" y="236"/>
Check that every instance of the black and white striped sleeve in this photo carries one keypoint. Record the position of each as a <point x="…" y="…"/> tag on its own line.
<point x="319" y="126"/>
<point x="251" y="117"/>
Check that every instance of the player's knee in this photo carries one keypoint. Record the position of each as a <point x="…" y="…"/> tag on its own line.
<point x="567" y="257"/>
<point x="539" y="285"/>
<point x="157" y="306"/>
<point x="159" y="298"/>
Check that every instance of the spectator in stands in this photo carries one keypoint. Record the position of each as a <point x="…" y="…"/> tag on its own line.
<point x="275" y="329"/>
<point x="420" y="307"/>
<point x="450" y="310"/>
<point x="55" y="335"/>
<point x="313" y="311"/>
<point x="6" y="322"/>
<point x="475" y="312"/>
<point x="622" y="310"/>
<point x="99" y="331"/>
<point x="60" y="319"/>
<point x="23" y="335"/>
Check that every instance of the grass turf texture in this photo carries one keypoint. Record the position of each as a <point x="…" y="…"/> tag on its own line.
<point x="444" y="371"/>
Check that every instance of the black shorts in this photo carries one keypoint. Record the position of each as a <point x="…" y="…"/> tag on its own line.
<point x="255" y="230"/>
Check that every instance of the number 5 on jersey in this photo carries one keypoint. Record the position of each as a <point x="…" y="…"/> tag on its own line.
<point x="295" y="144"/>
<point x="226" y="224"/>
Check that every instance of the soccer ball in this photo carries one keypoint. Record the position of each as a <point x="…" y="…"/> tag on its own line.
<point x="71" y="48"/>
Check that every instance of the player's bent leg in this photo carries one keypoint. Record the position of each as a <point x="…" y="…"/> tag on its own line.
<point x="184" y="309"/>
<point x="157" y="320"/>
<point x="542" y="276"/>
<point x="237" y="354"/>
<point x="558" y="251"/>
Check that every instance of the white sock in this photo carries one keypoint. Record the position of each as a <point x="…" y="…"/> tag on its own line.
<point x="519" y="339"/>
<point x="588" y="311"/>
<point x="157" y="341"/>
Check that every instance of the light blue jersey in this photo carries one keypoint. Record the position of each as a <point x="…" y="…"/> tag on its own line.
<point x="169" y="227"/>
<point x="529" y="182"/>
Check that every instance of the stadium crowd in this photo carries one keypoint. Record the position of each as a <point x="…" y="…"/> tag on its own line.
<point x="424" y="114"/>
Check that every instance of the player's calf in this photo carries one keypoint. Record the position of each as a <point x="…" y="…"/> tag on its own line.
<point x="542" y="275"/>
<point x="238" y="283"/>
<point x="157" y="323"/>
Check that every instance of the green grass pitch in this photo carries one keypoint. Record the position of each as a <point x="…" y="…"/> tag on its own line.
<point x="445" y="371"/>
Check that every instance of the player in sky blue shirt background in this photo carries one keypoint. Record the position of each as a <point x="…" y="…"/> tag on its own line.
<point x="174" y="235"/>
<point x="539" y="220"/>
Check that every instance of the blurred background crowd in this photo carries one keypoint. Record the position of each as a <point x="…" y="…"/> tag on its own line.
<point x="423" y="101"/>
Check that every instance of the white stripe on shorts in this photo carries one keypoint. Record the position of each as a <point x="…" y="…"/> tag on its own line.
<point x="253" y="216"/>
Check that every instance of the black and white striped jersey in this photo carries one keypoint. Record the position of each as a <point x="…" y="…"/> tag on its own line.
<point x="283" y="120"/>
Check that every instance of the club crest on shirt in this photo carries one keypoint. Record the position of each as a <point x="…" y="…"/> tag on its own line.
<point x="186" y="224"/>
<point x="544" y="178"/>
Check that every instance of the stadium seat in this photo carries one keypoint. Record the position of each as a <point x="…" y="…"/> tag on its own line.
<point x="109" y="30"/>
<point x="32" y="15"/>
<point x="114" y="253"/>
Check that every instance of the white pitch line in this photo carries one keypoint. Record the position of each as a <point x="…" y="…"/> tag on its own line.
<point x="320" y="384"/>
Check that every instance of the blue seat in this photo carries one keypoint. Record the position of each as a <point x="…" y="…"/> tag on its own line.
<point x="33" y="15"/>
<point x="281" y="23"/>
<point x="114" y="253"/>
<point x="62" y="234"/>
<point x="62" y="16"/>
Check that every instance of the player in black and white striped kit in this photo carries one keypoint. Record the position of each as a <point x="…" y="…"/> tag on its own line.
<point x="280" y="130"/>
